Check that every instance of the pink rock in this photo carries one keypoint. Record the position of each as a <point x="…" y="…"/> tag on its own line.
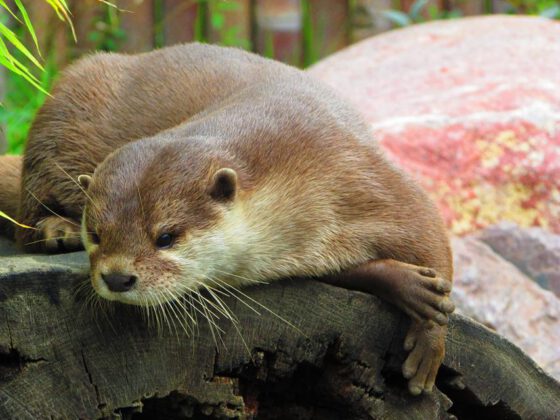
<point x="495" y="293"/>
<point x="534" y="251"/>
<point x="471" y="107"/>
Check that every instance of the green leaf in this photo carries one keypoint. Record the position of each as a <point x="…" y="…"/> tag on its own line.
<point x="28" y="23"/>
<point x="397" y="18"/>
<point x="6" y="7"/>
<point x="63" y="12"/>
<point x="224" y="6"/>
<point x="11" y="63"/>
<point x="551" y="12"/>
<point x="218" y="20"/>
<point x="10" y="36"/>
<point x="5" y="216"/>
<point x="416" y="8"/>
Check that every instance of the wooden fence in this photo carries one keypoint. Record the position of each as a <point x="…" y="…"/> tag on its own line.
<point x="295" y="31"/>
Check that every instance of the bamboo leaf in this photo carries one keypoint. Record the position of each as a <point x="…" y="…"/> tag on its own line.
<point x="12" y="64"/>
<point x="6" y="7"/>
<point x="60" y="7"/>
<point x="10" y="36"/>
<point x="5" y="216"/>
<point x="63" y="12"/>
<point x="398" y="18"/>
<point x="416" y="8"/>
<point x="28" y="23"/>
<point x="552" y="12"/>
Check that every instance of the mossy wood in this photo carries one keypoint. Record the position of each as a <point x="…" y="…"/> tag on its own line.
<point x="342" y="361"/>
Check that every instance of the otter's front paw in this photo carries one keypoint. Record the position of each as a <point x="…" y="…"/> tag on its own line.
<point x="425" y="295"/>
<point x="426" y="343"/>
<point x="58" y="235"/>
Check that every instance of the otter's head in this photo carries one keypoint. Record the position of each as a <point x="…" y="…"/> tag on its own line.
<point x="162" y="218"/>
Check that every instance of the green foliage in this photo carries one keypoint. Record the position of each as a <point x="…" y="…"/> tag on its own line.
<point x="228" y="35"/>
<point x="18" y="63"/>
<point x="545" y="8"/>
<point x="107" y="35"/>
<point x="310" y="51"/>
<point x="25" y="91"/>
<point x="21" y="103"/>
<point x="29" y="79"/>
<point x="425" y="10"/>
<point x="420" y="11"/>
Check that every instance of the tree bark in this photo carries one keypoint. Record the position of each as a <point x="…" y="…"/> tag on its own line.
<point x="339" y="359"/>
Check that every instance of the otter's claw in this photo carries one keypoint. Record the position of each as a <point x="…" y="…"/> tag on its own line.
<point x="424" y="296"/>
<point x="59" y="234"/>
<point x="427" y="348"/>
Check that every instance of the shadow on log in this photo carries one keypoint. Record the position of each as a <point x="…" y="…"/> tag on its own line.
<point x="340" y="359"/>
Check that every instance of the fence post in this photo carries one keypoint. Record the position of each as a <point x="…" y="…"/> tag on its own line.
<point x="278" y="32"/>
<point x="138" y="23"/>
<point x="368" y="18"/>
<point x="326" y="28"/>
<point x="84" y="15"/>
<point x="3" y="141"/>
<point x="179" y="17"/>
<point x="230" y="23"/>
<point x="52" y="33"/>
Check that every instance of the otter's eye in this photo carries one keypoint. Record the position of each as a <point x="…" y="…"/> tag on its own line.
<point x="164" y="241"/>
<point x="94" y="238"/>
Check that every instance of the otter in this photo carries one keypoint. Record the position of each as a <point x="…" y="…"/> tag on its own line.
<point x="10" y="170"/>
<point x="195" y="164"/>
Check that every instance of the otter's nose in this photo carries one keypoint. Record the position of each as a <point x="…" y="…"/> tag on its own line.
<point x="118" y="282"/>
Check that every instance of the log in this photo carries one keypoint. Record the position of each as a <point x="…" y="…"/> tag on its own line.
<point x="339" y="357"/>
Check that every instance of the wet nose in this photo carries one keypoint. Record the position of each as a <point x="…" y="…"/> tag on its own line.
<point x="118" y="282"/>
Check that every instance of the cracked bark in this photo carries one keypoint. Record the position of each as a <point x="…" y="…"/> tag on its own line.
<point x="58" y="359"/>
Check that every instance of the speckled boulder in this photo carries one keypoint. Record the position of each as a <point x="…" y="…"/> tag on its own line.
<point x="470" y="107"/>
<point x="495" y="293"/>
<point x="534" y="251"/>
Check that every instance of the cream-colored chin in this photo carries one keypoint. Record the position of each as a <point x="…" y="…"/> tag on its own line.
<point x="132" y="297"/>
<point x="102" y="290"/>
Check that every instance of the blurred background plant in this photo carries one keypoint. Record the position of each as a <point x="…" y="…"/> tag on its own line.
<point x="28" y="74"/>
<point x="39" y="37"/>
<point x="421" y="11"/>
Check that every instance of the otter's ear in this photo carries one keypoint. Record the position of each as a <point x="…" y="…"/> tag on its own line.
<point x="224" y="185"/>
<point x="84" y="181"/>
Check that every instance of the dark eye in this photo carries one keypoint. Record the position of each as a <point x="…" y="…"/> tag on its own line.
<point x="164" y="241"/>
<point x="94" y="238"/>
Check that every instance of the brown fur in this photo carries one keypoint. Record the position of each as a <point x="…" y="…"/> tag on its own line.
<point x="313" y="196"/>
<point x="107" y="100"/>
<point x="10" y="175"/>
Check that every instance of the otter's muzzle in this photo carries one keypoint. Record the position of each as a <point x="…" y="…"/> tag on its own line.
<point x="118" y="282"/>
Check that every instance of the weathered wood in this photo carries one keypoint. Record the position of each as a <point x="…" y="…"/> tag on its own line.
<point x="342" y="361"/>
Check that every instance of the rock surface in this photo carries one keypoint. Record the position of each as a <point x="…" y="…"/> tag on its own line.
<point x="471" y="108"/>
<point x="534" y="251"/>
<point x="497" y="294"/>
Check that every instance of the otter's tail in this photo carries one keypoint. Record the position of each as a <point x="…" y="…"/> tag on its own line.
<point x="10" y="181"/>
